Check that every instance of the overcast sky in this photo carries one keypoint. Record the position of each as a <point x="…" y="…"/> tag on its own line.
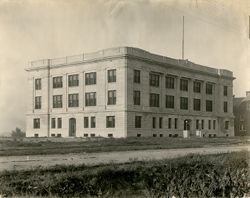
<point x="216" y="34"/>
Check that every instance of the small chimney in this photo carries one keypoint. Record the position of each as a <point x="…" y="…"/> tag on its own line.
<point x="247" y="93"/>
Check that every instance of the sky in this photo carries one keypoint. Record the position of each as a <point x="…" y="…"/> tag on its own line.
<point x="216" y="35"/>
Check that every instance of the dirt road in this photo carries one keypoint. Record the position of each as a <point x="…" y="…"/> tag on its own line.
<point x="33" y="161"/>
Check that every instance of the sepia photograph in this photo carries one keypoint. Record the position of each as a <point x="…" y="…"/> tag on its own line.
<point x="124" y="98"/>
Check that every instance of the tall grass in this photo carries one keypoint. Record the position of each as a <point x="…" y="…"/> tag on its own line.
<point x="221" y="175"/>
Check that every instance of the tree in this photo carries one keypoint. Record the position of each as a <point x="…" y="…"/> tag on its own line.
<point x="18" y="134"/>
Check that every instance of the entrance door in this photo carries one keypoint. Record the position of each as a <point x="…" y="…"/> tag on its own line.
<point x="72" y="127"/>
<point x="187" y="124"/>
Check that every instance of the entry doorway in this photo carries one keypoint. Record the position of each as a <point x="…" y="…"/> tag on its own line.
<point x="72" y="127"/>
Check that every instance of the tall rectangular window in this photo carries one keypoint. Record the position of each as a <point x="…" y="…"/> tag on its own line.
<point x="90" y="99"/>
<point x="197" y="124"/>
<point x="93" y="122"/>
<point x="169" y="123"/>
<point x="57" y="82"/>
<point x="137" y="121"/>
<point x="209" y="105"/>
<point x="209" y="88"/>
<point x="197" y="104"/>
<point x="73" y="100"/>
<point x="53" y="123"/>
<point x="154" y="122"/>
<point x="154" y="100"/>
<point x="137" y="76"/>
<point x="110" y="121"/>
<point x="183" y="103"/>
<point x="176" y="123"/>
<point x="169" y="101"/>
<point x="225" y="107"/>
<point x="209" y="124"/>
<point x="57" y="101"/>
<point x="112" y="75"/>
<point x="86" y="122"/>
<point x="183" y="84"/>
<point x="170" y="82"/>
<point x="38" y="102"/>
<point x="73" y="80"/>
<point x="160" y="122"/>
<point x="214" y="124"/>
<point x="197" y="87"/>
<point x="225" y="91"/>
<point x="59" y="123"/>
<point x="112" y="97"/>
<point x="90" y="78"/>
<point x="226" y="125"/>
<point x="202" y="124"/>
<point x="38" y="84"/>
<point x="154" y="80"/>
<point x="137" y="97"/>
<point x="36" y="123"/>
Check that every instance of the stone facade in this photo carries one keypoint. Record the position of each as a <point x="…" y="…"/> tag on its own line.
<point x="144" y="114"/>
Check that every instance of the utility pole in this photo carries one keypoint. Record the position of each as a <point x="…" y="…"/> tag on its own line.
<point x="183" y="38"/>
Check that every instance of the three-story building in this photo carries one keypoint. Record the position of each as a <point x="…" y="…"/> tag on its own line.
<point x="125" y="91"/>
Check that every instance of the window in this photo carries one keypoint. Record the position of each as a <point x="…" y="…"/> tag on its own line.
<point x="197" y="86"/>
<point x="209" y="105"/>
<point x="154" y="122"/>
<point x="214" y="124"/>
<point x="86" y="122"/>
<point x="112" y="97"/>
<point x="38" y="102"/>
<point x="57" y="101"/>
<point x="73" y="80"/>
<point x="90" y="78"/>
<point x="154" y="80"/>
<point x="184" y="103"/>
<point x="154" y="100"/>
<point x="169" y="101"/>
<point x="225" y="91"/>
<point x="176" y="123"/>
<point x="137" y="98"/>
<point x="202" y="124"/>
<point x="85" y="135"/>
<point x="110" y="121"/>
<point x="209" y="88"/>
<point x="93" y="122"/>
<point x="92" y="135"/>
<point x="110" y="135"/>
<point x="169" y="123"/>
<point x="137" y="121"/>
<point x="57" y="82"/>
<point x="137" y="76"/>
<point x="73" y="100"/>
<point x="36" y="123"/>
<point x="170" y="82"/>
<point x="160" y="122"/>
<point x="197" y="124"/>
<point x="112" y="75"/>
<point x="90" y="99"/>
<point x="184" y="85"/>
<point x="225" y="107"/>
<point x="59" y="123"/>
<point x="53" y="123"/>
<point x="38" y="84"/>
<point x="209" y="124"/>
<point x="226" y="125"/>
<point x="197" y="104"/>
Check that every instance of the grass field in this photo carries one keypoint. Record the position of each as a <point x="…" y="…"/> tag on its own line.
<point x="220" y="175"/>
<point x="36" y="146"/>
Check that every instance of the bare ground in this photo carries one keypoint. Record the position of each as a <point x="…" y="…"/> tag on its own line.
<point x="34" y="161"/>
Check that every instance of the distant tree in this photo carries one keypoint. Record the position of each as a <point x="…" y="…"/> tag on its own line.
<point x="18" y="134"/>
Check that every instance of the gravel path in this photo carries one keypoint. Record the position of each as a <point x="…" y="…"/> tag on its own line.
<point x="33" y="161"/>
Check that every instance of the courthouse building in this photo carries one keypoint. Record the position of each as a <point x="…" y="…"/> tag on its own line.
<point x="124" y="92"/>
